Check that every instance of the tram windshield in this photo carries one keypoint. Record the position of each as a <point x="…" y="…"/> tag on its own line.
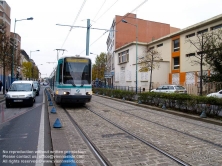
<point x="77" y="71"/>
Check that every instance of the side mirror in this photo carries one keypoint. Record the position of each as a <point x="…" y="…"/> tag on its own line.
<point x="34" y="90"/>
<point x="6" y="90"/>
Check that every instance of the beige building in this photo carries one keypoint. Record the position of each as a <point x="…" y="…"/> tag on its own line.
<point x="176" y="53"/>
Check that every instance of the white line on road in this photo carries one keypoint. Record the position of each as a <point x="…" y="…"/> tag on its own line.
<point x="39" y="160"/>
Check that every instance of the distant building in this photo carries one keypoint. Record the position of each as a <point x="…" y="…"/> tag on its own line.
<point x="124" y="33"/>
<point x="176" y="52"/>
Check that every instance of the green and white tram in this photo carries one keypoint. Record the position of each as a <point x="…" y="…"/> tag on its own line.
<point x="71" y="80"/>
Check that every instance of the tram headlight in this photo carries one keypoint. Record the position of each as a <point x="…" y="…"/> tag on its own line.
<point x="66" y="93"/>
<point x="89" y="93"/>
<point x="57" y="92"/>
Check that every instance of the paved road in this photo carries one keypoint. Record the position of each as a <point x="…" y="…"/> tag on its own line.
<point x="24" y="132"/>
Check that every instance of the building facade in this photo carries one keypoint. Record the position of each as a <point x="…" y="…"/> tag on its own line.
<point x="177" y="54"/>
<point x="124" y="33"/>
<point x="5" y="11"/>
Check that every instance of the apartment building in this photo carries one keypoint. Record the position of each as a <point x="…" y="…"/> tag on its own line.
<point x="5" y="11"/>
<point x="125" y="33"/>
<point x="176" y="53"/>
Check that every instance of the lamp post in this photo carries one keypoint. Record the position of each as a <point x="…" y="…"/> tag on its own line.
<point x="124" y="21"/>
<point x="58" y="52"/>
<point x="33" y="51"/>
<point x="13" y="54"/>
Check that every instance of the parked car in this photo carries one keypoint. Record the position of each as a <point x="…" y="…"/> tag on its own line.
<point x="216" y="94"/>
<point x="170" y="89"/>
<point x="37" y="87"/>
<point x="20" y="92"/>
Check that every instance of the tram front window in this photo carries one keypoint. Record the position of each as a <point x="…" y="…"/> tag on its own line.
<point x="76" y="73"/>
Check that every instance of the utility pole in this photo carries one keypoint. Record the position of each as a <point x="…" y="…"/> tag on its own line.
<point x="87" y="36"/>
<point x="88" y="27"/>
<point x="58" y="52"/>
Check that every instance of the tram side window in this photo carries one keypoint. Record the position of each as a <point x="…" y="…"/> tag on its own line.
<point x="60" y="73"/>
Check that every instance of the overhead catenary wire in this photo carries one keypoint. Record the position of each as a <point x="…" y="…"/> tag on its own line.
<point x="106" y="10"/>
<point x="117" y="22"/>
<point x="74" y="22"/>
<point x="99" y="9"/>
<point x="132" y="11"/>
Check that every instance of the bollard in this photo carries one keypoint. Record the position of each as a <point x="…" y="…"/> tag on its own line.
<point x="53" y="110"/>
<point x="203" y="114"/>
<point x="57" y="124"/>
<point x="68" y="160"/>
<point x="50" y="103"/>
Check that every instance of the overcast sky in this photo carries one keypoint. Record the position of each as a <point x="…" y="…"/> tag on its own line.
<point x="43" y="34"/>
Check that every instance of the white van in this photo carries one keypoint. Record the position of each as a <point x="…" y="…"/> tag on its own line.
<point x="20" y="92"/>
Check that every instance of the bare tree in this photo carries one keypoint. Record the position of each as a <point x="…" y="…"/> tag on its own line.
<point x="214" y="56"/>
<point x="149" y="62"/>
<point x="201" y="44"/>
<point x="6" y="48"/>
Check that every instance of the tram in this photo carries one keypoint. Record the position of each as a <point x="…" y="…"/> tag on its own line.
<point x="71" y="80"/>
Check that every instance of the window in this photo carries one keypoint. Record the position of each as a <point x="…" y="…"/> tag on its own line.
<point x="124" y="56"/>
<point x="190" y="35"/>
<point x="202" y="31"/>
<point x="159" y="45"/>
<point x="176" y="45"/>
<point x="190" y="54"/>
<point x="176" y="63"/>
<point x="216" y="27"/>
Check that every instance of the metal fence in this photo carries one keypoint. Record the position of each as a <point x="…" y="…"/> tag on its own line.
<point x="194" y="89"/>
<point x="191" y="88"/>
<point x="125" y="88"/>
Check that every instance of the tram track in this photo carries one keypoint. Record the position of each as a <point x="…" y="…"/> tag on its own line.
<point x="100" y="157"/>
<point x="181" y="132"/>
<point x="190" y="147"/>
<point x="122" y="133"/>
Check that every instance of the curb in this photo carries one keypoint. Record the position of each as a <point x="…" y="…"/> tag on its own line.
<point x="195" y="117"/>
<point x="58" y="138"/>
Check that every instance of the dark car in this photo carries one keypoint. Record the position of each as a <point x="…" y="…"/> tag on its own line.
<point x="37" y="87"/>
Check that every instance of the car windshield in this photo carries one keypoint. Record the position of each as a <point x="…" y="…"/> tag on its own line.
<point x="21" y="87"/>
<point x="179" y="88"/>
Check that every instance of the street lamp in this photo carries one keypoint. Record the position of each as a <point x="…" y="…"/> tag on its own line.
<point x="13" y="54"/>
<point x="124" y="21"/>
<point x="33" y="51"/>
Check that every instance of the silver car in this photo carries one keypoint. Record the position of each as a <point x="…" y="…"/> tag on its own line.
<point x="216" y="94"/>
<point x="170" y="89"/>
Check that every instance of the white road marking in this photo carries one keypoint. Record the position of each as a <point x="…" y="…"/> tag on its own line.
<point x="13" y="138"/>
<point x="39" y="160"/>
